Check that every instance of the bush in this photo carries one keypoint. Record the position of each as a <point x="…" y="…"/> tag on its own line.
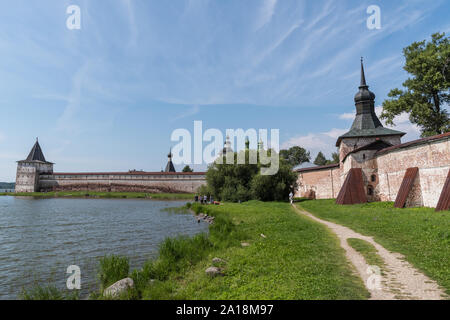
<point x="112" y="269"/>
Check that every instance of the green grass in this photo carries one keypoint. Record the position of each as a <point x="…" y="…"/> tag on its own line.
<point x="47" y="293"/>
<point x="112" y="269"/>
<point x="368" y="251"/>
<point x="105" y="195"/>
<point x="420" y="234"/>
<point x="298" y="259"/>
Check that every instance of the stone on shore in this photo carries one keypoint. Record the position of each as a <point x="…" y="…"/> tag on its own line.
<point x="121" y="286"/>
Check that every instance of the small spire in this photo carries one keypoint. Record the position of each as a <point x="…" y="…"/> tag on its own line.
<point x="37" y="139"/>
<point x="363" y="77"/>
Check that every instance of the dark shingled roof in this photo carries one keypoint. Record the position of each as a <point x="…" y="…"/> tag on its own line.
<point x="36" y="154"/>
<point x="366" y="123"/>
<point x="169" y="166"/>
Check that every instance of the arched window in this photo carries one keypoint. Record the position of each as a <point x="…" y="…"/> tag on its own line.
<point x="373" y="178"/>
<point x="370" y="191"/>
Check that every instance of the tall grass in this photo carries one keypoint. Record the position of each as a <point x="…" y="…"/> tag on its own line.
<point x="47" y="293"/>
<point x="112" y="268"/>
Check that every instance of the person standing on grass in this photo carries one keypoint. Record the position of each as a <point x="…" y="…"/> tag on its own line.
<point x="291" y="197"/>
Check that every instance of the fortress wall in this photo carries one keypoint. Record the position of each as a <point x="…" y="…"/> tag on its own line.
<point x="152" y="183"/>
<point x="324" y="182"/>
<point x="433" y="160"/>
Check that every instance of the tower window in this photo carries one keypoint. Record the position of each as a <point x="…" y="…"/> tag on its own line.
<point x="373" y="178"/>
<point x="370" y="191"/>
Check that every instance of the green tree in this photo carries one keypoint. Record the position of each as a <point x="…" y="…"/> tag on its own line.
<point x="187" y="169"/>
<point x="243" y="182"/>
<point x="426" y="93"/>
<point x="320" y="159"/>
<point x="334" y="158"/>
<point x="231" y="182"/>
<point x="276" y="187"/>
<point x="295" y="155"/>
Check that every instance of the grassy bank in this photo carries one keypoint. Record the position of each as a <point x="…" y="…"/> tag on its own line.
<point x="421" y="234"/>
<point x="105" y="195"/>
<point x="288" y="257"/>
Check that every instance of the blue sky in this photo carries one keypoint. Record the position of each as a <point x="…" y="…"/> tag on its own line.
<point x="107" y="97"/>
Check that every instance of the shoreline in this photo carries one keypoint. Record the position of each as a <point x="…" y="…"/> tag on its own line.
<point x="102" y="195"/>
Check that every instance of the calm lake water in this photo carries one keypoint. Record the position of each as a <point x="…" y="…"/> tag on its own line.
<point x="40" y="238"/>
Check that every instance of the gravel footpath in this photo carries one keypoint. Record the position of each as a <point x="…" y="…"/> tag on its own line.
<point x="399" y="280"/>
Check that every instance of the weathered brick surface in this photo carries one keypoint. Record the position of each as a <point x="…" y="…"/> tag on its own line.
<point x="123" y="183"/>
<point x="324" y="183"/>
<point x="433" y="161"/>
<point x="383" y="173"/>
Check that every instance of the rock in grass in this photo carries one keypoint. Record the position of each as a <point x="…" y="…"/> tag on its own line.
<point x="218" y="260"/>
<point x="213" y="272"/>
<point x="121" y="286"/>
<point x="262" y="235"/>
<point x="245" y="244"/>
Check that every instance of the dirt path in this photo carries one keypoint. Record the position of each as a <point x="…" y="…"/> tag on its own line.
<point x="399" y="279"/>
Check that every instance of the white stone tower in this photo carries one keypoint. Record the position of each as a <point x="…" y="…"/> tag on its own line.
<point x="29" y="170"/>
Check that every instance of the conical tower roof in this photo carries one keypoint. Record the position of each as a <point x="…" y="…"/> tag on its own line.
<point x="36" y="154"/>
<point x="170" y="167"/>
<point x="366" y="123"/>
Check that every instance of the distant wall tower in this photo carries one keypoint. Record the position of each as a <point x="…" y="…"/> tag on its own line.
<point x="169" y="166"/>
<point x="29" y="170"/>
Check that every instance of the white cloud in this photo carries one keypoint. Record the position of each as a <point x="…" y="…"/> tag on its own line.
<point x="315" y="142"/>
<point x="402" y="124"/>
<point x="335" y="133"/>
<point x="347" y="116"/>
<point x="192" y="111"/>
<point x="265" y="13"/>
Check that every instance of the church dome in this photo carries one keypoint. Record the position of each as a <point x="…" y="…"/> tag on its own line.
<point x="364" y="94"/>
